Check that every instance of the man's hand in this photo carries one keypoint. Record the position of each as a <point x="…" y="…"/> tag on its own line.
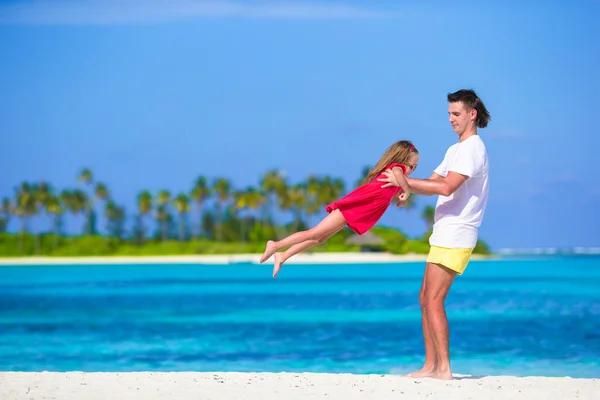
<point x="402" y="199"/>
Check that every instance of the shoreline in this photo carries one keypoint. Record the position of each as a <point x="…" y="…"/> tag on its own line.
<point x="252" y="258"/>
<point x="272" y="386"/>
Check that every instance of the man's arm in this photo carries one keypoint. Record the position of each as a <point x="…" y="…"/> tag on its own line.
<point x="416" y="190"/>
<point x="437" y="184"/>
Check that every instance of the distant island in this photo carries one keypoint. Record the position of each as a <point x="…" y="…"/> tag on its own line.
<point x="224" y="220"/>
<point x="550" y="251"/>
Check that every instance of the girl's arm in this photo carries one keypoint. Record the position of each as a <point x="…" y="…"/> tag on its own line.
<point x="401" y="179"/>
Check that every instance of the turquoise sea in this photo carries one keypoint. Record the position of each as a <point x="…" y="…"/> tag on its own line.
<point x="525" y="316"/>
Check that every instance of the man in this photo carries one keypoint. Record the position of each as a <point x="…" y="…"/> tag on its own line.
<point x="461" y="182"/>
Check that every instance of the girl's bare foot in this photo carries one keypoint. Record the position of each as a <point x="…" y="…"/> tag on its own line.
<point x="278" y="263"/>
<point x="269" y="251"/>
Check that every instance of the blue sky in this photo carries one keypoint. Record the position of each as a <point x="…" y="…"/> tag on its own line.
<point x="152" y="94"/>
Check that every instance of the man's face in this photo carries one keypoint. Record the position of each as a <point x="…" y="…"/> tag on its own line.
<point x="460" y="117"/>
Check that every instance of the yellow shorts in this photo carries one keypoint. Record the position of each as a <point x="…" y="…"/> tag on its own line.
<point x="454" y="259"/>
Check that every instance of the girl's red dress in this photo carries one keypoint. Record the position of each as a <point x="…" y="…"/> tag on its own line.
<point x="365" y="205"/>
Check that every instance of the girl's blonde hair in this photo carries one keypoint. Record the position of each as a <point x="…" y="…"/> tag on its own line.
<point x="399" y="152"/>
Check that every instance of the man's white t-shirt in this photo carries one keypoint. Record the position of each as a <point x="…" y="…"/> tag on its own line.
<point x="458" y="216"/>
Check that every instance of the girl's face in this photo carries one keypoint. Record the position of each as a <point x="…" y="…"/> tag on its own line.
<point x="412" y="163"/>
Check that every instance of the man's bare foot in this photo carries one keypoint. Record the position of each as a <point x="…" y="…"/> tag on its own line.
<point x="446" y="375"/>
<point x="428" y="372"/>
<point x="424" y="372"/>
<point x="278" y="263"/>
<point x="269" y="251"/>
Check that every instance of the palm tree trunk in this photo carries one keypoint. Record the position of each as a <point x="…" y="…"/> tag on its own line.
<point x="244" y="222"/>
<point x="56" y="226"/>
<point x="38" y="238"/>
<point x="181" y="228"/>
<point x="142" y="230"/>
<point x="219" y="222"/>
<point x="297" y="218"/>
<point x="21" y="237"/>
<point x="266" y="213"/>
<point x="88" y="223"/>
<point x="198" y="233"/>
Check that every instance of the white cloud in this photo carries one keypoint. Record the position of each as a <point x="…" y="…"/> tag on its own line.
<point x="104" y="12"/>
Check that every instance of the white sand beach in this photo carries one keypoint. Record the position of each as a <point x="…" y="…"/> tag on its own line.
<point x="266" y="386"/>
<point x="306" y="258"/>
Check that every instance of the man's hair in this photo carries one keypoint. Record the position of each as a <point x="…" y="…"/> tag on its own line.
<point x="472" y="102"/>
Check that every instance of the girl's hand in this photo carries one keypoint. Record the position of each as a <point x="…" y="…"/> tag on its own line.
<point x="402" y="199"/>
<point x="390" y="179"/>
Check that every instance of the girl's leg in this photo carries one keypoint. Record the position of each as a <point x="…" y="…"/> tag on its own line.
<point x="331" y="223"/>
<point x="280" y="258"/>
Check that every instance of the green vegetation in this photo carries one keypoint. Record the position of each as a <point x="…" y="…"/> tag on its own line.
<point x="210" y="219"/>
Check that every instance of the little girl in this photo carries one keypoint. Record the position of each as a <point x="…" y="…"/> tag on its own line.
<point x="359" y="209"/>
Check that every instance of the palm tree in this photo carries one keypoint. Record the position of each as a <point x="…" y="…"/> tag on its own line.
<point x="85" y="177"/>
<point x="250" y="199"/>
<point x="182" y="204"/>
<point x="272" y="184"/>
<point x="363" y="175"/>
<point x="239" y="204"/>
<point x="54" y="206"/>
<point x="428" y="215"/>
<point x="320" y="192"/>
<point x="295" y="200"/>
<point x="337" y="189"/>
<point x="42" y="194"/>
<point x="331" y="190"/>
<point x="5" y="212"/>
<point x="101" y="193"/>
<point x="313" y="192"/>
<point x="162" y="212"/>
<point x="410" y="203"/>
<point x="253" y="198"/>
<point x="144" y="201"/>
<point x="79" y="203"/>
<point x="66" y="198"/>
<point x="115" y="216"/>
<point x="25" y="207"/>
<point x="200" y="192"/>
<point x="222" y="188"/>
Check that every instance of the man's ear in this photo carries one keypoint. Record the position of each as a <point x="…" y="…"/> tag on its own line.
<point x="473" y="114"/>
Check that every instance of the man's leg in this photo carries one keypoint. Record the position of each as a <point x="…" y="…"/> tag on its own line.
<point x="430" y="353"/>
<point x="438" y="281"/>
